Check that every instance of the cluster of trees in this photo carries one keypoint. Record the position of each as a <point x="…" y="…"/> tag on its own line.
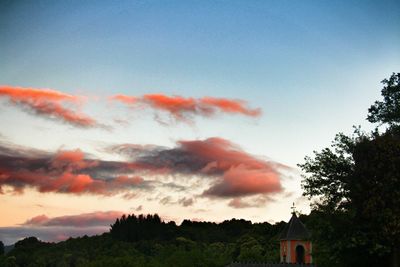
<point x="148" y="241"/>
<point x="134" y="228"/>
<point x="356" y="181"/>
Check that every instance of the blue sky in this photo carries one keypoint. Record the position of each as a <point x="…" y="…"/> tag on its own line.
<point x="314" y="67"/>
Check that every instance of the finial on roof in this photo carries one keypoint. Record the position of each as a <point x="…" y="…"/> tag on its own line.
<point x="293" y="209"/>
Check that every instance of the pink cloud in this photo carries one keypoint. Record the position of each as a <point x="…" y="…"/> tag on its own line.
<point x="65" y="172"/>
<point x="48" y="103"/>
<point x="230" y="106"/>
<point x="37" y="220"/>
<point x="242" y="181"/>
<point x="231" y="172"/>
<point x="235" y="172"/>
<point x="182" y="109"/>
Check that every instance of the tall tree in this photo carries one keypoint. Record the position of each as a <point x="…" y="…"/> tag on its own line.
<point x="375" y="191"/>
<point x="359" y="177"/>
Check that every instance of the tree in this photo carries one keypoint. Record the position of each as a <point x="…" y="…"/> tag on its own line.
<point x="376" y="199"/>
<point x="250" y="249"/>
<point x="388" y="110"/>
<point x="329" y="173"/>
<point x="359" y="178"/>
<point x="1" y="248"/>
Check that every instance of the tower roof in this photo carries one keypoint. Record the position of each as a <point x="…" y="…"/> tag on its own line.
<point x="295" y="230"/>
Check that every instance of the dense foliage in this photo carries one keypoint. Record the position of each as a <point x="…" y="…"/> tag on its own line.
<point x="148" y="241"/>
<point x="356" y="219"/>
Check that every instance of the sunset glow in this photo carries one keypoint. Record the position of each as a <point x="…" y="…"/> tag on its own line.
<point x="195" y="111"/>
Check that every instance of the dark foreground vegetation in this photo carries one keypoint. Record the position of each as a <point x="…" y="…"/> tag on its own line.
<point x="357" y="183"/>
<point x="147" y="241"/>
<point x="354" y="222"/>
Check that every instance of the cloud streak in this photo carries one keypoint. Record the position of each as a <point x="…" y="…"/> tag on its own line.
<point x="60" y="228"/>
<point x="183" y="109"/>
<point x="63" y="172"/>
<point x="228" y="171"/>
<point x="49" y="104"/>
<point x="10" y="235"/>
<point x="238" y="203"/>
<point x="250" y="202"/>
<point x="56" y="105"/>
<point x="99" y="218"/>
<point x="233" y="171"/>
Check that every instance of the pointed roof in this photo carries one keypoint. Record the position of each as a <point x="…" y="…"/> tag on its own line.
<point x="295" y="230"/>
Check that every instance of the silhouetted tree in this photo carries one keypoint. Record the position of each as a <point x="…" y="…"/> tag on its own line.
<point x="388" y="110"/>
<point x="143" y="227"/>
<point x="358" y="183"/>
<point x="1" y="248"/>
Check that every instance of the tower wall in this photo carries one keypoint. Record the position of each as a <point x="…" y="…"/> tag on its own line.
<point x="288" y="251"/>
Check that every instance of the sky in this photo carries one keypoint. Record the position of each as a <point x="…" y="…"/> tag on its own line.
<point x="194" y="110"/>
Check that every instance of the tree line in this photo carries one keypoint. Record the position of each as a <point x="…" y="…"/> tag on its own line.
<point x="145" y="240"/>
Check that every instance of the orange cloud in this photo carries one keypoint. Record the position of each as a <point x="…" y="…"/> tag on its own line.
<point x="48" y="103"/>
<point x="19" y="93"/>
<point x="230" y="106"/>
<point x="176" y="105"/>
<point x="183" y="109"/>
<point x="124" y="99"/>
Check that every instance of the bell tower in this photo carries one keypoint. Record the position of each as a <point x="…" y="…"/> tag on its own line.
<point x="295" y="243"/>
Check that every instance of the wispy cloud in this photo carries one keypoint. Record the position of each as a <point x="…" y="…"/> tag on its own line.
<point x="63" y="107"/>
<point x="238" y="203"/>
<point x="250" y="202"/>
<point x="99" y="218"/>
<point x="186" y="201"/>
<point x="9" y="235"/>
<point x="50" y="104"/>
<point x="184" y="109"/>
